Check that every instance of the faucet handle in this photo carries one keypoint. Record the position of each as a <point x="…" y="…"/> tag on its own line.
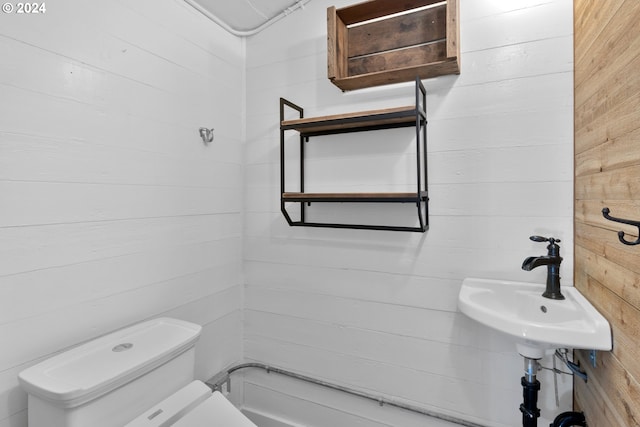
<point x="544" y="239"/>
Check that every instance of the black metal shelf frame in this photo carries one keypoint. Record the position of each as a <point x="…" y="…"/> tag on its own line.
<point x="411" y="117"/>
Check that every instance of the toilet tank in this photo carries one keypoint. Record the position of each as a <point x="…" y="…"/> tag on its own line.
<point x="109" y="381"/>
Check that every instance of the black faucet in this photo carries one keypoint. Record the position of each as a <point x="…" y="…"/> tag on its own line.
<point x="552" y="260"/>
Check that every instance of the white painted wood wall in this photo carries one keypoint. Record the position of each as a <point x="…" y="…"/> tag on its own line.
<point x="376" y="310"/>
<point x="112" y="210"/>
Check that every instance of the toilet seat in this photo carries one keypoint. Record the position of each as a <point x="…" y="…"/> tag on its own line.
<point x="216" y="411"/>
<point x="193" y="406"/>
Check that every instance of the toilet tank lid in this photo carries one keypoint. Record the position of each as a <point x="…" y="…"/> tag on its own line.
<point x="85" y="372"/>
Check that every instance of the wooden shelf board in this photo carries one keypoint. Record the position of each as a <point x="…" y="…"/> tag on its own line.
<point x="364" y="12"/>
<point x="352" y="197"/>
<point x="363" y="119"/>
<point x="445" y="67"/>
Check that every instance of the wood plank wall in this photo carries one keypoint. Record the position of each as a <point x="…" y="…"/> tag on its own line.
<point x="607" y="174"/>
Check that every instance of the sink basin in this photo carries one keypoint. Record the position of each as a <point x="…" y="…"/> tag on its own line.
<point x="538" y="324"/>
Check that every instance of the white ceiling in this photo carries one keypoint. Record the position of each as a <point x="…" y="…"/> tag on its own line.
<point x="246" y="17"/>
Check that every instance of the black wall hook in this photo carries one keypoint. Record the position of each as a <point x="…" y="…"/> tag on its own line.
<point x="605" y="213"/>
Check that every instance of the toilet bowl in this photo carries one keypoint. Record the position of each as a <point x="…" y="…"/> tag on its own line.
<point x="137" y="376"/>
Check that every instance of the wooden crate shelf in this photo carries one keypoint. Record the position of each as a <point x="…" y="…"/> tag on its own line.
<point x="381" y="42"/>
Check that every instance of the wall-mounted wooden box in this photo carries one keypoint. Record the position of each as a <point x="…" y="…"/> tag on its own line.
<point x="373" y="43"/>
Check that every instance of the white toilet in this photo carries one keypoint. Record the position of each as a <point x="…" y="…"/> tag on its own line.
<point x="134" y="377"/>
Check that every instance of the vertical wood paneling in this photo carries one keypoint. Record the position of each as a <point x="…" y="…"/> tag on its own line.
<point x="112" y="210"/>
<point x="377" y="310"/>
<point x="607" y="132"/>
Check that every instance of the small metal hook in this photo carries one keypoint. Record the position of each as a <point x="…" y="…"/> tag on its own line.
<point x="206" y="135"/>
<point x="605" y="213"/>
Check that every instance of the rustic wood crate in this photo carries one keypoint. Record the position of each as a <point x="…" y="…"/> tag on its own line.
<point x="363" y="51"/>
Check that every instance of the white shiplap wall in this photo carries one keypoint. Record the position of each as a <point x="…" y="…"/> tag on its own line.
<point x="377" y="310"/>
<point x="112" y="210"/>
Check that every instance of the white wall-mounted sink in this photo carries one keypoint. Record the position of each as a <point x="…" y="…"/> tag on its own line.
<point x="537" y="323"/>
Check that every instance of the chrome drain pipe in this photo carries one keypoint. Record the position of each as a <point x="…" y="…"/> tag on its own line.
<point x="217" y="382"/>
